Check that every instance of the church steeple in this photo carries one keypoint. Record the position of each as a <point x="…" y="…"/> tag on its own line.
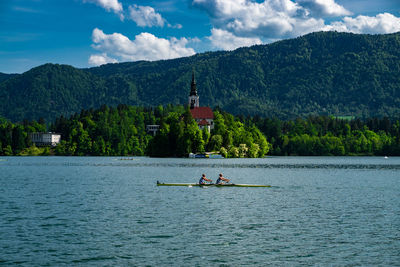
<point x="193" y="88"/>
<point x="193" y="97"/>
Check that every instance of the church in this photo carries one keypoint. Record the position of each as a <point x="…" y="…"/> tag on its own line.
<point x="202" y="115"/>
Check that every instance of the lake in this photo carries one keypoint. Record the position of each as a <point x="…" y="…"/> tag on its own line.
<point x="108" y="211"/>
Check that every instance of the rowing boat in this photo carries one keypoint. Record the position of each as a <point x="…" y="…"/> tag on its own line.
<point x="216" y="185"/>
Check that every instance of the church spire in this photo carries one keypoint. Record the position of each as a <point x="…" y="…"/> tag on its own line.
<point x="193" y="97"/>
<point x="193" y="88"/>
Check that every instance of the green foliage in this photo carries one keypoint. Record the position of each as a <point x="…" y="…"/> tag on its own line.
<point x="179" y="135"/>
<point x="14" y="137"/>
<point x="215" y="142"/>
<point x="325" y="73"/>
<point x="327" y="136"/>
<point x="233" y="152"/>
<point x="242" y="149"/>
<point x="223" y="152"/>
<point x="110" y="131"/>
<point x="4" y="76"/>
<point x="35" y="151"/>
<point x="7" y="151"/>
<point x="235" y="139"/>
<point x="105" y="132"/>
<point x="253" y="151"/>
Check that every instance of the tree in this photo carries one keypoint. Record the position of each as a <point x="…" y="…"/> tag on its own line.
<point x="7" y="151"/>
<point x="253" y="151"/>
<point x="223" y="152"/>
<point x="18" y="139"/>
<point x="242" y="149"/>
<point x="233" y="152"/>
<point x="215" y="142"/>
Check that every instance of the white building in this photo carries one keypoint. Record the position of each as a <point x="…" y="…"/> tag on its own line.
<point x="45" y="139"/>
<point x="152" y="128"/>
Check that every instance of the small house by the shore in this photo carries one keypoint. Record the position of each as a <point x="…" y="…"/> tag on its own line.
<point x="45" y="139"/>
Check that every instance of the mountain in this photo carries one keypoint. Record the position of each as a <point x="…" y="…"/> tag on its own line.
<point x="5" y="76"/>
<point x="326" y="73"/>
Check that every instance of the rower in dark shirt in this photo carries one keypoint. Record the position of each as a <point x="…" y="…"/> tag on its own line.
<point x="203" y="179"/>
<point x="222" y="179"/>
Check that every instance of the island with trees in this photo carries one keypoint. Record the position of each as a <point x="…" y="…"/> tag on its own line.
<point x="121" y="131"/>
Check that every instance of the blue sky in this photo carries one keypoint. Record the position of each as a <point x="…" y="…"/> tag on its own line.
<point x="86" y="33"/>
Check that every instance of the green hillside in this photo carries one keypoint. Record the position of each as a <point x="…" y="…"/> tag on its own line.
<point x="325" y="73"/>
<point x="5" y="76"/>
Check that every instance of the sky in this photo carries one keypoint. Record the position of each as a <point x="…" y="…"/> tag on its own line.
<point x="88" y="33"/>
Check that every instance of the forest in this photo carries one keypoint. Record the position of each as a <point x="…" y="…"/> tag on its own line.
<point x="121" y="131"/>
<point x="323" y="73"/>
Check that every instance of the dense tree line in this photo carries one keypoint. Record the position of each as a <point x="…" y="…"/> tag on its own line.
<point x="121" y="131"/>
<point x="325" y="73"/>
<point x="111" y="131"/>
<point x="14" y="138"/>
<point x="179" y="135"/>
<point x="323" y="135"/>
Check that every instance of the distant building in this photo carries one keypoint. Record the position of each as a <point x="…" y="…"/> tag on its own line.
<point x="152" y="128"/>
<point x="45" y="139"/>
<point x="204" y="116"/>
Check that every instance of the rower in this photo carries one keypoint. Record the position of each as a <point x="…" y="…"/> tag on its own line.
<point x="203" y="179"/>
<point x="221" y="179"/>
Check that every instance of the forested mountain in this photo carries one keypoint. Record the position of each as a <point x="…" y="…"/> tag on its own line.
<point x="324" y="73"/>
<point x="5" y="76"/>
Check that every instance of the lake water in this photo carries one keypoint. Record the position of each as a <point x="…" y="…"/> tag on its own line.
<point x="108" y="211"/>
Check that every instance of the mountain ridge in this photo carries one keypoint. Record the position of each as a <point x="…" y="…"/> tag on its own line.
<point x="5" y="76"/>
<point x="323" y="73"/>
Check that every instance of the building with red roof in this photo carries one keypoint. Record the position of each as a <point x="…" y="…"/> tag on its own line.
<point x="204" y="116"/>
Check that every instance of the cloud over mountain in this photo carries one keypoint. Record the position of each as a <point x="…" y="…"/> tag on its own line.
<point x="227" y="41"/>
<point x="381" y="23"/>
<point x="269" y="19"/>
<point x="100" y="59"/>
<point x="145" y="46"/>
<point x="234" y="23"/>
<point x="324" y="8"/>
<point x="248" y="21"/>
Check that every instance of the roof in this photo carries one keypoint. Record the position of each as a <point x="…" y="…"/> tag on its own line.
<point x="202" y="113"/>
<point x="203" y="122"/>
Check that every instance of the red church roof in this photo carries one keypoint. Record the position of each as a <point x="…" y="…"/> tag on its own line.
<point x="202" y="113"/>
<point x="203" y="123"/>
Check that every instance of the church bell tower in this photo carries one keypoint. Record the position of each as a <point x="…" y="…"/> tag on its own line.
<point x="193" y="97"/>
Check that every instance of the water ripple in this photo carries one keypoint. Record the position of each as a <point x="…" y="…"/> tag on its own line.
<point x="221" y="165"/>
<point x="98" y="258"/>
<point x="106" y="212"/>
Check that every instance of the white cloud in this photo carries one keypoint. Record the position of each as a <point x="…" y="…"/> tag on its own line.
<point x="100" y="59"/>
<point x="145" y="16"/>
<point x="109" y="5"/>
<point x="227" y="41"/>
<point x="176" y="26"/>
<point x="268" y="19"/>
<point x="381" y="23"/>
<point x="322" y="8"/>
<point x="145" y="46"/>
